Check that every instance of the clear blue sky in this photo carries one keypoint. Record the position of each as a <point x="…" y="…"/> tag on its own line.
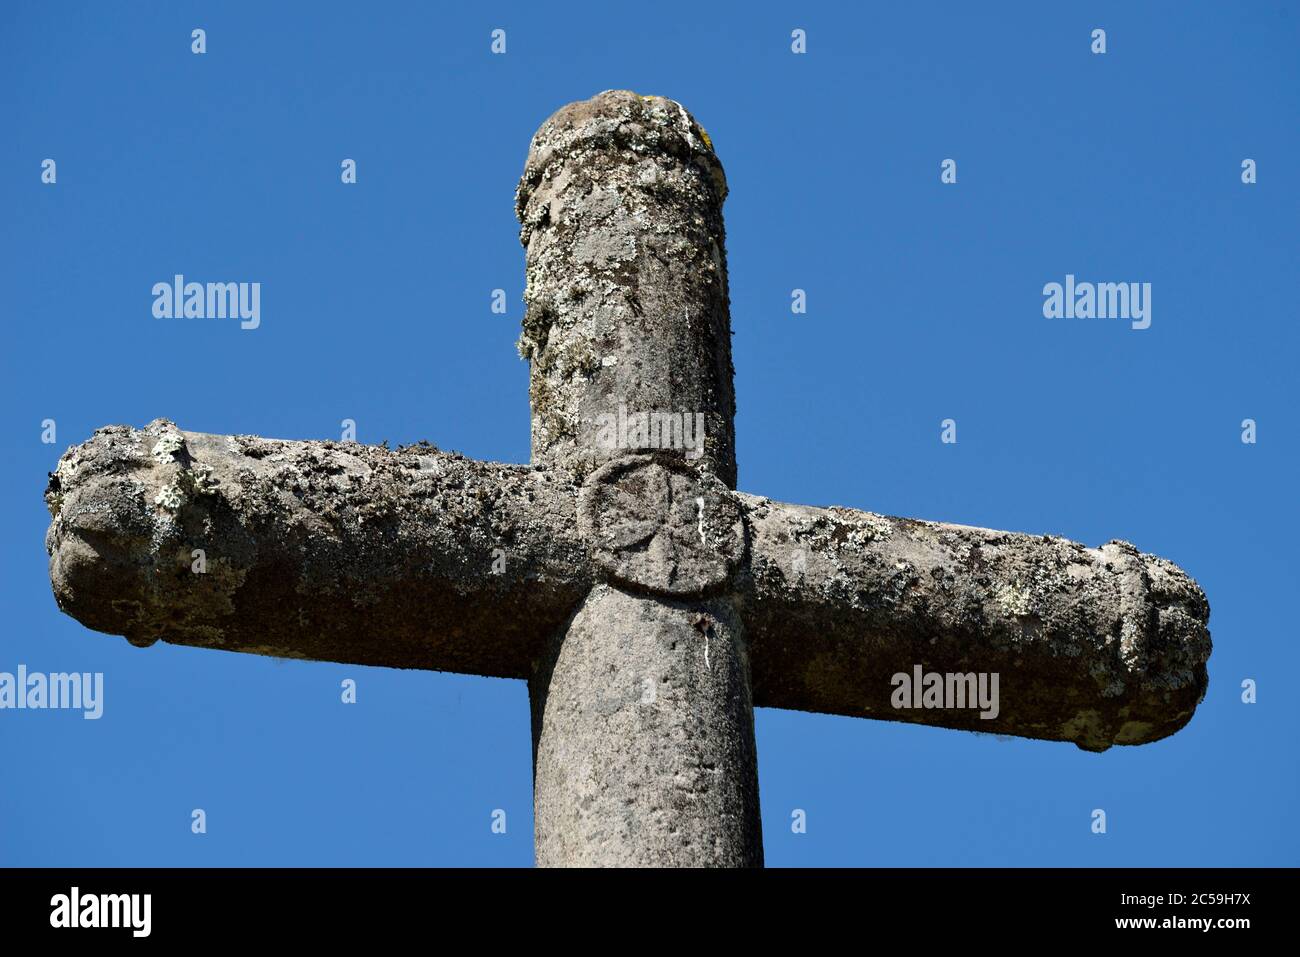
<point x="924" y="303"/>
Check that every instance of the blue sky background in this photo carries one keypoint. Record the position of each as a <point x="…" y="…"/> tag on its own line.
<point x="924" y="302"/>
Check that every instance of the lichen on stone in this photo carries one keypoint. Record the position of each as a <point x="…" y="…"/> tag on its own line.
<point x="1015" y="599"/>
<point x="170" y="497"/>
<point x="165" y="450"/>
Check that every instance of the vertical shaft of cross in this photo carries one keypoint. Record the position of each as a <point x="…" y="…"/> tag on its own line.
<point x="627" y="309"/>
<point x="642" y="712"/>
<point x="644" y="738"/>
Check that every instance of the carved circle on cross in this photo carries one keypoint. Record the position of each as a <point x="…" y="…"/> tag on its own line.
<point x="656" y="524"/>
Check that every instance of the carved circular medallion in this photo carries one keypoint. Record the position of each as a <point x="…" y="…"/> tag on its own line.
<point x="656" y="524"/>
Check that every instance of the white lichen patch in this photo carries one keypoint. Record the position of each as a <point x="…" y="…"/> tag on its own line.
<point x="164" y="452"/>
<point x="187" y="482"/>
<point x="1015" y="599"/>
<point x="201" y="477"/>
<point x="871" y="528"/>
<point x="170" y="497"/>
<point x="63" y="473"/>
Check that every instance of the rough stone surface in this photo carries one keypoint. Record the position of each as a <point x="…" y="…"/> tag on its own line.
<point x="657" y="526"/>
<point x="1098" y="646"/>
<point x="344" y="552"/>
<point x="621" y="212"/>
<point x="324" y="550"/>
<point x="647" y="604"/>
<point x="644" y="738"/>
<point x="621" y="209"/>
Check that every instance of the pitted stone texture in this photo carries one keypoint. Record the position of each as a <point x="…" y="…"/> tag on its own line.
<point x="1099" y="646"/>
<point x="330" y="551"/>
<point x="621" y="120"/>
<point x="656" y="525"/>
<point x="643" y="740"/>
<point x="620" y="209"/>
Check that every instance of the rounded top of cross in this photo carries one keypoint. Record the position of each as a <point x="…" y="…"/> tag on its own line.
<point x="619" y="119"/>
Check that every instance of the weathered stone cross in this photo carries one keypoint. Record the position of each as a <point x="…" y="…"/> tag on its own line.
<point x="648" y="605"/>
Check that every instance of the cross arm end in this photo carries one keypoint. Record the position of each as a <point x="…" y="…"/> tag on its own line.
<point x="852" y="613"/>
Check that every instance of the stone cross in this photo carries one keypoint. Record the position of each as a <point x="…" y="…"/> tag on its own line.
<point x="648" y="604"/>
